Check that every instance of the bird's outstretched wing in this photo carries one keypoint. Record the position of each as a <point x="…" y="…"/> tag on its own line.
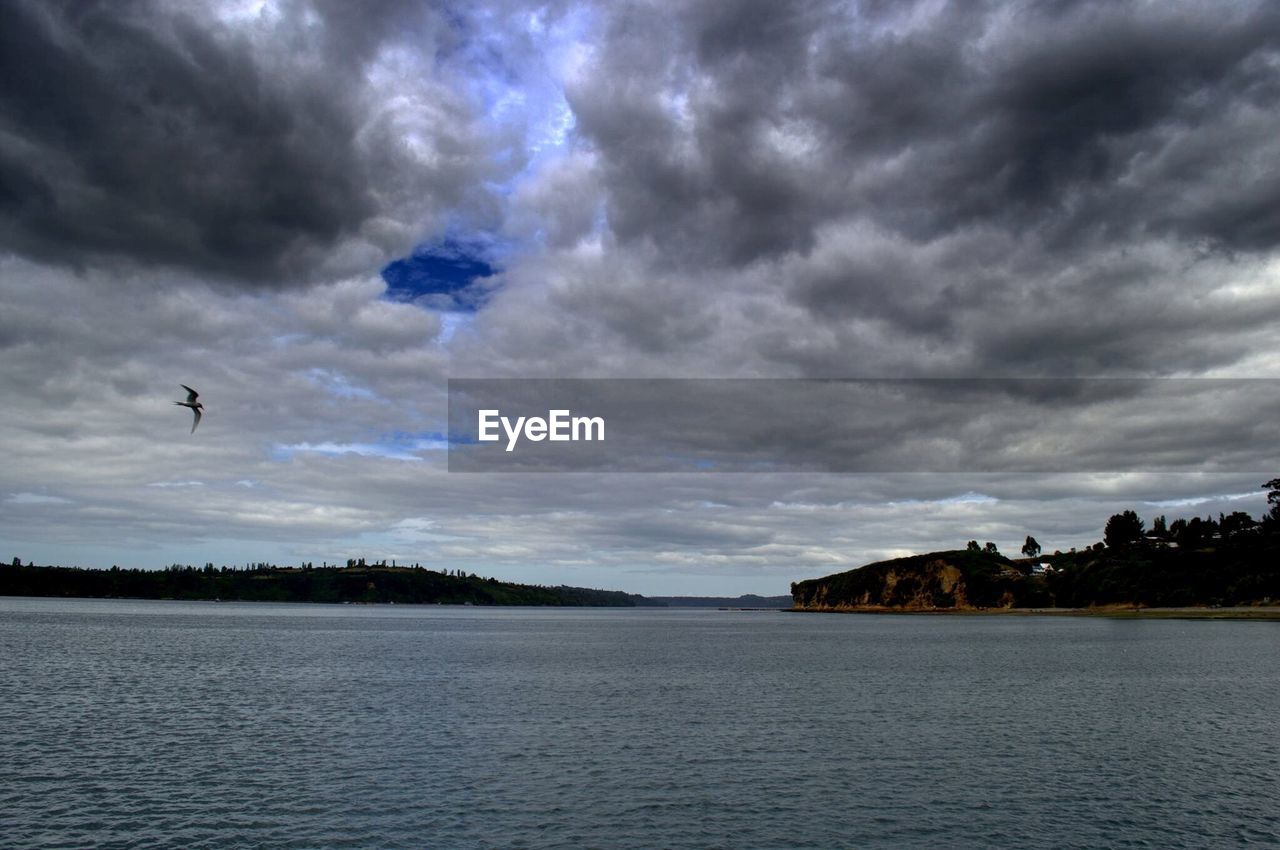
<point x="192" y="395"/>
<point x="197" y="422"/>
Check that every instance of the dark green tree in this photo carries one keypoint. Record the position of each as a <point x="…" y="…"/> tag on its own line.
<point x="1123" y="529"/>
<point x="990" y="548"/>
<point x="1235" y="523"/>
<point x="1273" y="498"/>
<point x="1031" y="548"/>
<point x="1192" y="534"/>
<point x="973" y="546"/>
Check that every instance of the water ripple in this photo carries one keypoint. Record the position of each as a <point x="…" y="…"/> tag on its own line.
<point x="172" y="725"/>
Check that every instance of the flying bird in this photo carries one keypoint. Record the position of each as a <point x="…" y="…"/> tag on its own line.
<point x="191" y="402"/>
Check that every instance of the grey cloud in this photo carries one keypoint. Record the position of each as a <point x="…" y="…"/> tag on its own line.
<point x="154" y="133"/>
<point x="680" y="140"/>
<point x="942" y="178"/>
<point x="1074" y="100"/>
<point x="87" y="428"/>
<point x="1026" y="115"/>
<point x="560" y="207"/>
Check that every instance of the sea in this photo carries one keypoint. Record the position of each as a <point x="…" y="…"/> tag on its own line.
<point x="132" y="724"/>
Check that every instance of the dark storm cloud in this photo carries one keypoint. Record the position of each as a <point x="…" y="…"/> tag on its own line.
<point x="677" y="128"/>
<point x="1062" y="112"/>
<point x="149" y="132"/>
<point x="1066" y="118"/>
<point x="924" y="188"/>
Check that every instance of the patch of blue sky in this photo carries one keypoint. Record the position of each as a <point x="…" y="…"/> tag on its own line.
<point x="420" y="441"/>
<point x="286" y="340"/>
<point x="449" y="325"/>
<point x="35" y="499"/>
<point x="337" y="384"/>
<point x="463" y="439"/>
<point x="516" y="71"/>
<point x="448" y="275"/>
<point x="1193" y="501"/>
<point x="969" y="497"/>
<point x="516" y="80"/>
<point x="333" y="449"/>
<point x="396" y="446"/>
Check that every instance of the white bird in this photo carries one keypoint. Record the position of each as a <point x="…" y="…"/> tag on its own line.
<point x="191" y="402"/>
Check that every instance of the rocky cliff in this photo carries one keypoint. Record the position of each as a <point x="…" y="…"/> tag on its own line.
<point x="959" y="580"/>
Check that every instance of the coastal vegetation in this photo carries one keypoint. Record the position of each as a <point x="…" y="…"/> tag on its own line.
<point x="1233" y="560"/>
<point x="355" y="583"/>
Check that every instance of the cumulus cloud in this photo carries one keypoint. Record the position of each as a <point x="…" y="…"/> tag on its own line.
<point x="766" y="120"/>
<point x="307" y="137"/>
<point x="1028" y="188"/>
<point x="210" y="193"/>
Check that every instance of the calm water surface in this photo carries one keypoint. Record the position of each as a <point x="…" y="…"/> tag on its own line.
<point x="200" y="725"/>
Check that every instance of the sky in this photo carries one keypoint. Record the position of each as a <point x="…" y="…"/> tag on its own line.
<point x="318" y="212"/>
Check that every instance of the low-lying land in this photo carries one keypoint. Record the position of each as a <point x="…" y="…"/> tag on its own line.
<point x="356" y="584"/>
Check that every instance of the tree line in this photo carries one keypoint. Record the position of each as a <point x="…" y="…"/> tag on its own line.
<point x="1126" y="529"/>
<point x="264" y="582"/>
<point x="1231" y="560"/>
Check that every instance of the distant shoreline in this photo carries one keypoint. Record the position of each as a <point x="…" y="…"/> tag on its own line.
<point x="356" y="584"/>
<point x="1123" y="612"/>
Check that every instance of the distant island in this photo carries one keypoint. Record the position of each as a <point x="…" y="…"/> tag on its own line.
<point x="355" y="583"/>
<point x="1232" y="561"/>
